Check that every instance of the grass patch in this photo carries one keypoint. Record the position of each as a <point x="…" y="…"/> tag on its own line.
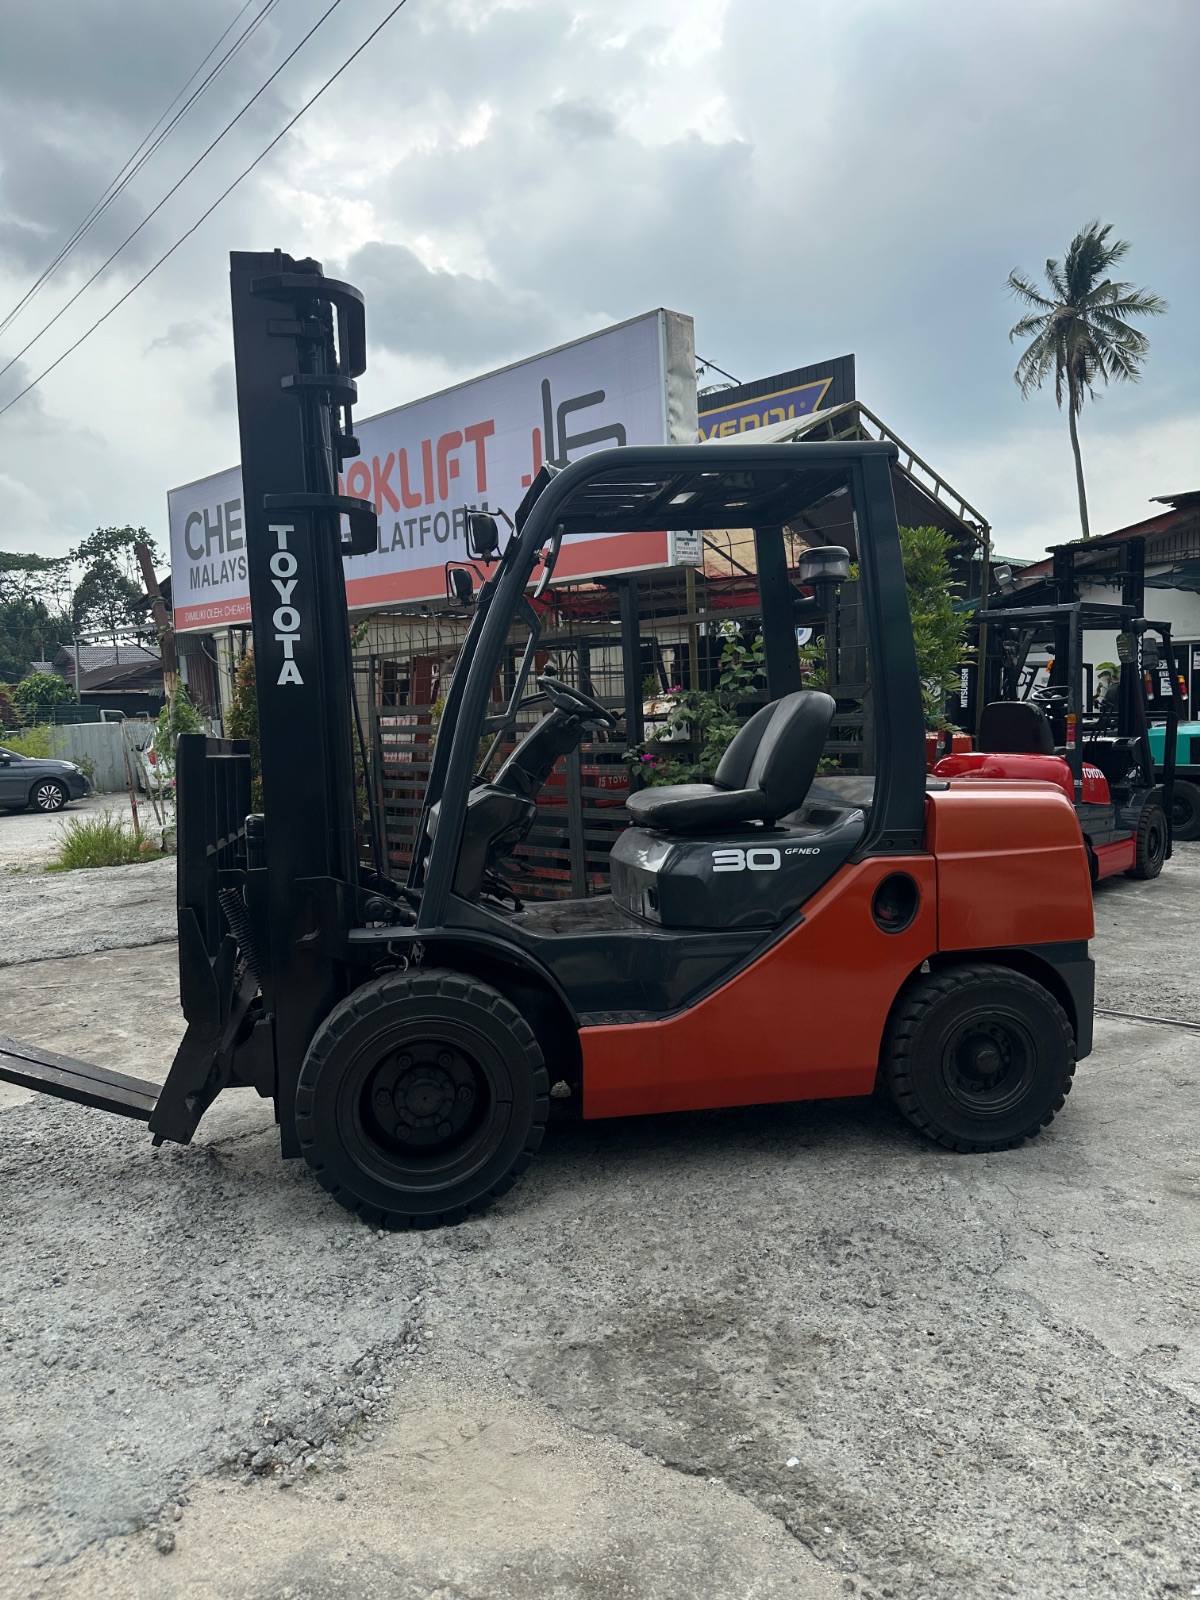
<point x="102" y="841"/>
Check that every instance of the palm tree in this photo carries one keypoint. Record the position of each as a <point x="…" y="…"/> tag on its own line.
<point x="1080" y="329"/>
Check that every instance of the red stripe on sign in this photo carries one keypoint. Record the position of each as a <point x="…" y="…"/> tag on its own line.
<point x="578" y="559"/>
<point x="216" y="614"/>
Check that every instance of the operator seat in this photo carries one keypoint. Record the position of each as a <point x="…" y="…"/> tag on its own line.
<point x="1015" y="727"/>
<point x="766" y="772"/>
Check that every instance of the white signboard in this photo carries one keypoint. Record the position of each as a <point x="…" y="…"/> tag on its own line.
<point x="479" y="445"/>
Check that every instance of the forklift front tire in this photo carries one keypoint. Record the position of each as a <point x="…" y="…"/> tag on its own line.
<point x="1150" y="847"/>
<point x="979" y="1057"/>
<point x="422" y="1098"/>
<point x="1185" y="811"/>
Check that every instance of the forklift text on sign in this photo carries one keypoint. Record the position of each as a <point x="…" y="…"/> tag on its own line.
<point x="286" y="617"/>
<point x="478" y="444"/>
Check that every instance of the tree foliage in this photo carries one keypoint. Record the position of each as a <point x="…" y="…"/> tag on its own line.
<point x="1081" y="330"/>
<point x="110" y="587"/>
<point x="242" y="723"/>
<point x="33" y="617"/>
<point x="39" y="692"/>
<point x="938" y="630"/>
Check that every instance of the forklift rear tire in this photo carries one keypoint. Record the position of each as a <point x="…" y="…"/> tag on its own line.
<point x="422" y="1098"/>
<point x="1150" y="842"/>
<point x="1185" y="811"/>
<point x="979" y="1057"/>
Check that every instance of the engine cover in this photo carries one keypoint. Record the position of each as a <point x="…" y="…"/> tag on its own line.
<point x="750" y="877"/>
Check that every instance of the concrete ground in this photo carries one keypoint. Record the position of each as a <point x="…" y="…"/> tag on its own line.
<point x="28" y="839"/>
<point x="789" y="1350"/>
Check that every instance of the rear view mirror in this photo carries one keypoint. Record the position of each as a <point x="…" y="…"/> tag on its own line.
<point x="460" y="585"/>
<point x="483" y="535"/>
<point x="1151" y="656"/>
<point x="826" y="563"/>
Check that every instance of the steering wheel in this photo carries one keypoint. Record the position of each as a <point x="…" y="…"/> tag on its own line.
<point x="575" y="703"/>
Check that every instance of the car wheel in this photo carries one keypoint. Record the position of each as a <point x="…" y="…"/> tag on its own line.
<point x="48" y="794"/>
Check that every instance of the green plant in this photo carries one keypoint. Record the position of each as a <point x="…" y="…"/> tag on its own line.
<point x="706" y="719"/>
<point x="938" y="630"/>
<point x="177" y="716"/>
<point x="1080" y="331"/>
<point x="38" y="691"/>
<point x="37" y="742"/>
<point x="242" y="723"/>
<point x="98" y="841"/>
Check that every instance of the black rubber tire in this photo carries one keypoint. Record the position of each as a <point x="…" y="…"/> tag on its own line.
<point x="1185" y="811"/>
<point x="48" y="795"/>
<point x="936" y="1056"/>
<point x="1150" y="842"/>
<point x="376" y="1068"/>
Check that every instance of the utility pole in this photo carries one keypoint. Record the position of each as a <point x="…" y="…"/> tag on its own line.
<point x="162" y="622"/>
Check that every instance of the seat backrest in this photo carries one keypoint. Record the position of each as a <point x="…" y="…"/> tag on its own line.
<point x="1015" y="727"/>
<point x="778" y="750"/>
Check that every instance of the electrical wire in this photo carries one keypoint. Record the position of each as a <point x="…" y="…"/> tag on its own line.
<point x="104" y="265"/>
<point x="148" y="146"/>
<point x="204" y="216"/>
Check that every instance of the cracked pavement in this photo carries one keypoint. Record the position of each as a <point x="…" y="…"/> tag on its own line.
<point x="786" y="1350"/>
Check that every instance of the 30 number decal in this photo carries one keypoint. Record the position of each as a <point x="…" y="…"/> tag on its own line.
<point x="761" y="858"/>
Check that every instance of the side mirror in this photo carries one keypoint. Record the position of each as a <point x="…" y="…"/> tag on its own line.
<point x="1151" y="655"/>
<point x="483" y="535"/>
<point x="826" y="563"/>
<point x="460" y="585"/>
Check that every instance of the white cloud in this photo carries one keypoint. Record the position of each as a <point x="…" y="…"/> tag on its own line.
<point x="1024" y="480"/>
<point x="803" y="179"/>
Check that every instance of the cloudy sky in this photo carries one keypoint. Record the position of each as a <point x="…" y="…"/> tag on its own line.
<point x="804" y="177"/>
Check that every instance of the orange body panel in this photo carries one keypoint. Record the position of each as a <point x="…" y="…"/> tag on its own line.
<point x="1012" y="865"/>
<point x="802" y="1023"/>
<point x="1006" y="866"/>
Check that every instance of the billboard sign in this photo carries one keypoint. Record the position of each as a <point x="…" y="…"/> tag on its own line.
<point x="478" y="444"/>
<point x="777" y="399"/>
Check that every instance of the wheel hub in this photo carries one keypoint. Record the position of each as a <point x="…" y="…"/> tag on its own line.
<point x="424" y="1096"/>
<point x="986" y="1063"/>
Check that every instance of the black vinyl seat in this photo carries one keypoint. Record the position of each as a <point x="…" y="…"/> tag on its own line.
<point x="766" y="772"/>
<point x="1015" y="727"/>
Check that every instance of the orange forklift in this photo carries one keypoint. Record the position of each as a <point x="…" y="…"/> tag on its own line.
<point x="783" y="933"/>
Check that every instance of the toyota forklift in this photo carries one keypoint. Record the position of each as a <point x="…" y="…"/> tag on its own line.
<point x="1040" y="722"/>
<point x="771" y="936"/>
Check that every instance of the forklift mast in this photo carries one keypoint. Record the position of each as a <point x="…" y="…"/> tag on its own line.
<point x="261" y="896"/>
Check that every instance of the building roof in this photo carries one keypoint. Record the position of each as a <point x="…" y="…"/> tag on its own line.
<point x="1160" y="531"/>
<point x="95" y="658"/>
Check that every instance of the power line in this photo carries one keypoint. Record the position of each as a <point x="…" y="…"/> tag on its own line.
<point x="134" y="163"/>
<point x="204" y="216"/>
<point x="104" y="265"/>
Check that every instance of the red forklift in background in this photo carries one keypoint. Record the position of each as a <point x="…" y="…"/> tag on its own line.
<point x="770" y="936"/>
<point x="1097" y="750"/>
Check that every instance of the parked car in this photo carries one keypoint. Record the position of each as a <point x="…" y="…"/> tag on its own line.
<point x="43" y="784"/>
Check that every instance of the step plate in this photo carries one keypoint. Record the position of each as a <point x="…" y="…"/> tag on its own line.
<point x="34" y="1068"/>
